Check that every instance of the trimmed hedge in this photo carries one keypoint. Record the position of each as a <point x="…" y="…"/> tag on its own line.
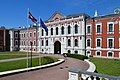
<point x="77" y="56"/>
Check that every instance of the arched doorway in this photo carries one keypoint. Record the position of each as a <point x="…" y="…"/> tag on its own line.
<point x="57" y="47"/>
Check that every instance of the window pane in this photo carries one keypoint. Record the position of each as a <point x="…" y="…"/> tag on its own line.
<point x="110" y="43"/>
<point x="76" y="28"/>
<point x="98" y="42"/>
<point x="110" y="27"/>
<point x="69" y="29"/>
<point x="57" y="31"/>
<point x="62" y="30"/>
<point x="88" y="29"/>
<point x="98" y="29"/>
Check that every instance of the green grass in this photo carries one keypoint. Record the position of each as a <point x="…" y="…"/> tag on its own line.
<point x="107" y="66"/>
<point x="9" y="55"/>
<point x="13" y="65"/>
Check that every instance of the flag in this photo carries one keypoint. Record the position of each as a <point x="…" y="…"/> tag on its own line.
<point x="43" y="25"/>
<point x="31" y="17"/>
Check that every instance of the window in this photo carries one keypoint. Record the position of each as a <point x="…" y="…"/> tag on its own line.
<point x="76" y="42"/>
<point x="46" y="42"/>
<point x="30" y="34"/>
<point x="16" y="42"/>
<point x="110" y="43"/>
<point x="56" y="30"/>
<point x="42" y="32"/>
<point x="110" y="28"/>
<point x="46" y="33"/>
<point x="69" y="29"/>
<point x="88" y="42"/>
<point x="98" y="43"/>
<point x="51" y="31"/>
<point x="76" y="52"/>
<point x="69" y="42"/>
<point x="98" y="29"/>
<point x="69" y="51"/>
<point x="110" y="54"/>
<point x="34" y="43"/>
<point x="62" y="30"/>
<point x="34" y="34"/>
<point x="88" y="30"/>
<point x="98" y="53"/>
<point x="24" y="34"/>
<point x="42" y="43"/>
<point x="76" y="29"/>
<point x="16" y="35"/>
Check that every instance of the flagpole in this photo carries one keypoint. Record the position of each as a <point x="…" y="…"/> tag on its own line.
<point x="27" y="40"/>
<point x="40" y="43"/>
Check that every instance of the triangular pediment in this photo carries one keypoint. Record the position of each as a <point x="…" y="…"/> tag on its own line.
<point x="56" y="16"/>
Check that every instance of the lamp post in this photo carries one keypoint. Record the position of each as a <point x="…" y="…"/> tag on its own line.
<point x="31" y="52"/>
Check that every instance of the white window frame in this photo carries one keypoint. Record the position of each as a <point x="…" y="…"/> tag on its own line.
<point x="100" y="28"/>
<point x="108" y="27"/>
<point x="100" y="42"/>
<point x="112" y="54"/>
<point x="89" y="53"/>
<point x="87" y="28"/>
<point x="97" y="55"/>
<point x="108" y="42"/>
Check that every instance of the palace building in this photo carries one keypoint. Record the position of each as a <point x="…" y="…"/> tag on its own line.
<point x="97" y="36"/>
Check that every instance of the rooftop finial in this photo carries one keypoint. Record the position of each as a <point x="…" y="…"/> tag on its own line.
<point x="96" y="13"/>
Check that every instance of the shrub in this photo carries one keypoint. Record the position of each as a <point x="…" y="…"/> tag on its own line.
<point x="77" y="56"/>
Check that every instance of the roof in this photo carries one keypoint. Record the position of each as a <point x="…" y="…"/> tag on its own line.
<point x="107" y="16"/>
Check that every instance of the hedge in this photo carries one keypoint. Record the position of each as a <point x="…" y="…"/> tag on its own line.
<point x="77" y="56"/>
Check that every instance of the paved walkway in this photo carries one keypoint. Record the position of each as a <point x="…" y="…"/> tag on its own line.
<point x="59" y="72"/>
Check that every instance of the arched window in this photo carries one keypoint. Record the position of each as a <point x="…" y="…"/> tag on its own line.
<point x="51" y="31"/>
<point x="46" y="42"/>
<point x="69" y="29"/>
<point x="42" y="32"/>
<point x="56" y="30"/>
<point x="69" y="42"/>
<point x="88" y="42"/>
<point x="76" y="42"/>
<point x="110" y="54"/>
<point x="69" y="51"/>
<point x="76" y="52"/>
<point x="62" y="30"/>
<point x="76" y="29"/>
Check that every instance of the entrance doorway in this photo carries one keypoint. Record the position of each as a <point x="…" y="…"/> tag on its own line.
<point x="57" y="47"/>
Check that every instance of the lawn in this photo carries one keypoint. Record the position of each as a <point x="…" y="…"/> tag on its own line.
<point x="12" y="65"/>
<point x="107" y="66"/>
<point x="9" y="55"/>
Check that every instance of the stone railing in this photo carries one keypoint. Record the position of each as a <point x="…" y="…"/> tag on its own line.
<point x="78" y="74"/>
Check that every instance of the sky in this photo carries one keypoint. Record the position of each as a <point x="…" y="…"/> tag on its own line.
<point x="14" y="13"/>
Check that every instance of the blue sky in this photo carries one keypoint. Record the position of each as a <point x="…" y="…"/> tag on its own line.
<point x="13" y="13"/>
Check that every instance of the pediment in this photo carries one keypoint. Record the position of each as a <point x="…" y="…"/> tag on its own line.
<point x="56" y="16"/>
